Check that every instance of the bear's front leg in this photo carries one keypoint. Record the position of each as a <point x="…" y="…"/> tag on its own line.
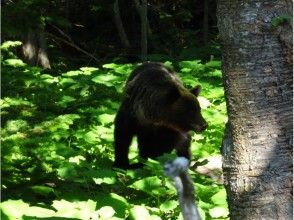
<point x="123" y="134"/>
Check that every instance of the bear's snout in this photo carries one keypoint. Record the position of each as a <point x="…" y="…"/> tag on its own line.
<point x="202" y="127"/>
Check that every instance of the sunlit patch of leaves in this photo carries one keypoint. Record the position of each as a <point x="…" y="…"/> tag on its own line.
<point x="57" y="145"/>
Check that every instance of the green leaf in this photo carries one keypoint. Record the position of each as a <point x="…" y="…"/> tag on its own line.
<point x="169" y="205"/>
<point x="151" y="185"/>
<point x="106" y="176"/>
<point x="142" y="213"/>
<point x="110" y="66"/>
<point x="81" y="209"/>
<point x="218" y="212"/>
<point x="89" y="70"/>
<point x="73" y="73"/>
<point x="39" y="212"/>
<point x="106" y="212"/>
<point x="42" y="190"/>
<point x="204" y="103"/>
<point x="214" y="64"/>
<point x="14" y="62"/>
<point x="106" y="118"/>
<point x="106" y="79"/>
<point x="14" y="208"/>
<point x="10" y="44"/>
<point x="220" y="198"/>
<point x="68" y="171"/>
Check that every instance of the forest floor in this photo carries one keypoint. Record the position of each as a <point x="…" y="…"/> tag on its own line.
<point x="57" y="146"/>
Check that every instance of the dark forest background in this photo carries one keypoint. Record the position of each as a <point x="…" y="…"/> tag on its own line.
<point x="177" y="30"/>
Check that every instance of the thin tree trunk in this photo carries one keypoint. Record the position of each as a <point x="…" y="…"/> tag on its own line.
<point x="142" y="10"/>
<point x="258" y="80"/>
<point x="119" y="25"/>
<point x="205" y="22"/>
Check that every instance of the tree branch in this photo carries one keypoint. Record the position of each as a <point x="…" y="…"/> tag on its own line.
<point x="177" y="170"/>
<point x="73" y="45"/>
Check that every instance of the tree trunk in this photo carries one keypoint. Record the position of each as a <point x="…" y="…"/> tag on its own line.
<point x="34" y="49"/>
<point x="205" y="22"/>
<point x="142" y="10"/>
<point x="119" y="25"/>
<point x="258" y="80"/>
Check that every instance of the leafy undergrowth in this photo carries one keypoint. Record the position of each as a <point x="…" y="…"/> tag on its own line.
<point x="57" y="145"/>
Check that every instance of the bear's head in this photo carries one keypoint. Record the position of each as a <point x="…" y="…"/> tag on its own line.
<point x="184" y="112"/>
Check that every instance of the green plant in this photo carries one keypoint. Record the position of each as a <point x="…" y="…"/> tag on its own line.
<point x="57" y="137"/>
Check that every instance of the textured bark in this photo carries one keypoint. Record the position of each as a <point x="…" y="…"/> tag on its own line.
<point x="34" y="49"/>
<point x="258" y="80"/>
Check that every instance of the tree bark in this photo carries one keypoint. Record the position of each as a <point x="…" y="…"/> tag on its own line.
<point x="119" y="25"/>
<point x="258" y="80"/>
<point x="34" y="49"/>
<point x="142" y="10"/>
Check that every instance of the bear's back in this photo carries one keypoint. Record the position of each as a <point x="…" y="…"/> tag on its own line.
<point x="151" y="67"/>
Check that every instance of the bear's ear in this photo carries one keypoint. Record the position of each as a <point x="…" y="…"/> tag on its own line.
<point x="173" y="94"/>
<point x="196" y="90"/>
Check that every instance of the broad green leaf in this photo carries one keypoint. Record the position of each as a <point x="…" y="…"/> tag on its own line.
<point x="16" y="125"/>
<point x="106" y="79"/>
<point x="220" y="197"/>
<point x="48" y="78"/>
<point x="64" y="81"/>
<point x="68" y="171"/>
<point x="214" y="64"/>
<point x="110" y="66"/>
<point x="10" y="44"/>
<point x="218" y="212"/>
<point x="89" y="70"/>
<point x="81" y="209"/>
<point x="106" y="118"/>
<point x="142" y="213"/>
<point x="106" y="212"/>
<point x="91" y="137"/>
<point x="204" y="103"/>
<point x="14" y="62"/>
<point x="151" y="185"/>
<point x="106" y="176"/>
<point x="201" y="213"/>
<point x="73" y="73"/>
<point x="124" y="69"/>
<point x="169" y="205"/>
<point x="42" y="190"/>
<point x="14" y="208"/>
<point x="39" y="212"/>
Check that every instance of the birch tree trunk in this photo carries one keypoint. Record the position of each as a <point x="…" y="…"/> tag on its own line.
<point x="257" y="149"/>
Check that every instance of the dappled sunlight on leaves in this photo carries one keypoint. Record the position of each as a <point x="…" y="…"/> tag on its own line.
<point x="57" y="145"/>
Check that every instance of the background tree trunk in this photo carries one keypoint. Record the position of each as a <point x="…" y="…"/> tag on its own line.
<point x="142" y="10"/>
<point x="258" y="80"/>
<point x="205" y="22"/>
<point x="34" y="49"/>
<point x="119" y="25"/>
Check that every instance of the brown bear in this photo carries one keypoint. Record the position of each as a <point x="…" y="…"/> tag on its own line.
<point x="159" y="111"/>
